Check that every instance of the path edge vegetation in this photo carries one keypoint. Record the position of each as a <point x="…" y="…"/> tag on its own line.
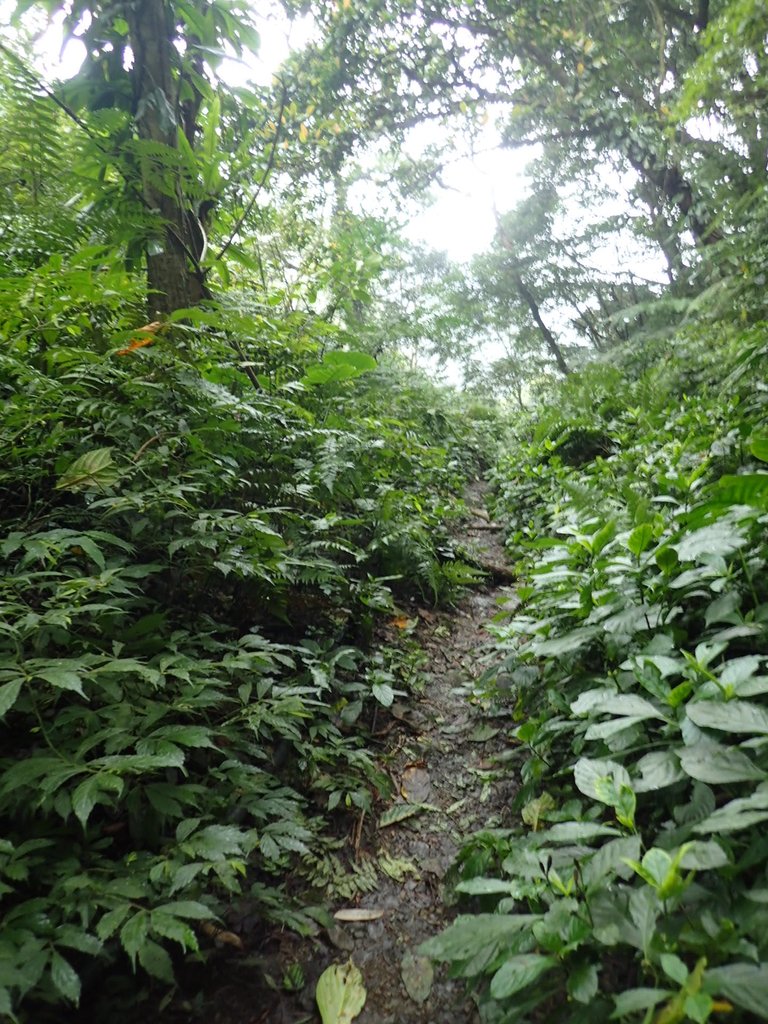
<point x="629" y="882"/>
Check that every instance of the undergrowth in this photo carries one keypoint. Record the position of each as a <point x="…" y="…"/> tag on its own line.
<point x="631" y="879"/>
<point x="191" y="569"/>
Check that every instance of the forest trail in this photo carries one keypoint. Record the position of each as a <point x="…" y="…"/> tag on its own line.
<point x="440" y="750"/>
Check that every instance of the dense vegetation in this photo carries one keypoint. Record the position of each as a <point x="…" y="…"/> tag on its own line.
<point x="632" y="874"/>
<point x="219" y="466"/>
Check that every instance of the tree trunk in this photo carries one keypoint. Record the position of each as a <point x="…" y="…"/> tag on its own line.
<point x="174" y="280"/>
<point x="547" y="335"/>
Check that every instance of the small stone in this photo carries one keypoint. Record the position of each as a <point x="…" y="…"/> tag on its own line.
<point x="417" y="974"/>
<point x="340" y="938"/>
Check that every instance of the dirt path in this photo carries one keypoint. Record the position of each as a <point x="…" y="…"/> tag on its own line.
<point x="439" y="750"/>
<point x="440" y="756"/>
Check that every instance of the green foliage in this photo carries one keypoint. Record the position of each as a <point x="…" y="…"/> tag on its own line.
<point x="636" y="876"/>
<point x="190" y="570"/>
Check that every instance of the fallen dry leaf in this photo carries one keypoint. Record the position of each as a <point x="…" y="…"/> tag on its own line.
<point x="221" y="935"/>
<point x="358" y="914"/>
<point x="415" y="785"/>
<point x="402" y="622"/>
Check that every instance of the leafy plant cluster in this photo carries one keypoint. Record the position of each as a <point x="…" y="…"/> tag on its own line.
<point x="191" y="566"/>
<point x="631" y="880"/>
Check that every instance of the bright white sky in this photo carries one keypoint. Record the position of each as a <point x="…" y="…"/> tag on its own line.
<point x="462" y="220"/>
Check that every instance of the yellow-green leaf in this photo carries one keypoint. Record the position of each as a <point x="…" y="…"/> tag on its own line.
<point x="340" y="993"/>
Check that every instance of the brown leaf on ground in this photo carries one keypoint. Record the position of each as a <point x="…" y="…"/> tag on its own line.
<point x="213" y="931"/>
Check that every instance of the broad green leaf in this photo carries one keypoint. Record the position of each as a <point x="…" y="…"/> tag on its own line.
<point x="627" y="704"/>
<point x="739" y="671"/>
<point x="519" y="972"/>
<point x="610" y="861"/>
<point x="9" y="694"/>
<point x="591" y="775"/>
<point x="724" y="609"/>
<point x="749" y="489"/>
<point x="634" y="1000"/>
<point x="471" y="933"/>
<point x="603" y="537"/>
<point x="95" y="789"/>
<point x="361" y="361"/>
<point x="583" y="983"/>
<point x="744" y="984"/>
<point x="718" y="539"/>
<point x="605" y="730"/>
<point x="338" y="366"/>
<point x="133" y="934"/>
<point x="589" y="700"/>
<point x="485" y="886"/>
<point x="188" y="908"/>
<point x="93" y="470"/>
<point x="738" y="814"/>
<point x="570" y="641"/>
<point x="173" y="928"/>
<point x="666" y="665"/>
<point x="674" y="968"/>
<point x="657" y="770"/>
<point x="340" y="993"/>
<point x="714" y="763"/>
<point x="655" y="867"/>
<point x="215" y="842"/>
<point x="666" y="558"/>
<point x="62" y="678"/>
<point x="383" y="693"/>
<point x="699" y="1006"/>
<point x="74" y="937"/>
<point x="640" y="538"/>
<point x="577" y="831"/>
<point x="644" y="910"/>
<point x="758" y="447"/>
<point x="155" y="961"/>
<point x="732" y="716"/>
<point x="185" y="735"/>
<point x="65" y="977"/>
<point x="111" y="921"/>
<point x="703" y="856"/>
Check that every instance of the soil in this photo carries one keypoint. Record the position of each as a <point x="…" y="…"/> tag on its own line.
<point x="440" y="748"/>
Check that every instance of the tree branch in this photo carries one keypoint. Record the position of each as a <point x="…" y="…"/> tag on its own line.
<point x="267" y="171"/>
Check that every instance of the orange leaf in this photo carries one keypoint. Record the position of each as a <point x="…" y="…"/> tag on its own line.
<point x="140" y="341"/>
<point x="400" y="622"/>
<point x="220" y="935"/>
<point x="137" y="343"/>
